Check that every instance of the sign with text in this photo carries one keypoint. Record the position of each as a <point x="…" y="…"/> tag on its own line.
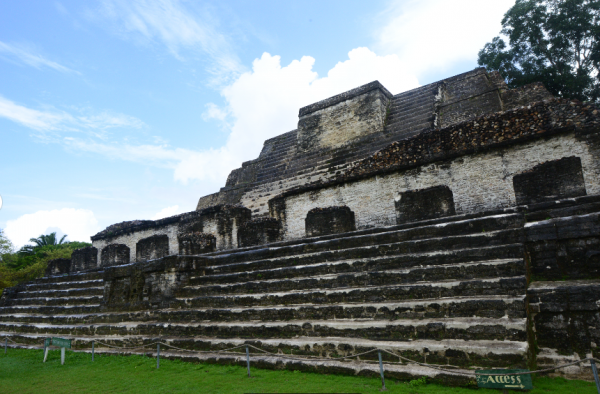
<point x="501" y="379"/>
<point x="61" y="342"/>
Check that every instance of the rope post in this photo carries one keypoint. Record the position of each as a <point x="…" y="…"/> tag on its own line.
<point x="381" y="372"/>
<point x="92" y="351"/>
<point x="595" y="372"/>
<point x="248" y="360"/>
<point x="157" y="355"/>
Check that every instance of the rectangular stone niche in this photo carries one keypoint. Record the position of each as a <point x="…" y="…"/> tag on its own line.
<point x="114" y="254"/>
<point x="151" y="248"/>
<point x="423" y="204"/>
<point x="58" y="267"/>
<point x="550" y="181"/>
<point x="84" y="259"/>
<point x="329" y="220"/>
<point x="259" y="231"/>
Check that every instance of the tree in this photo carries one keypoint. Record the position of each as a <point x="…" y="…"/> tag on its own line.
<point x="556" y="42"/>
<point x="5" y="245"/>
<point x="42" y="240"/>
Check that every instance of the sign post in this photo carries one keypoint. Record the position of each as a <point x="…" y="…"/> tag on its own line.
<point x="502" y="379"/>
<point x="60" y="342"/>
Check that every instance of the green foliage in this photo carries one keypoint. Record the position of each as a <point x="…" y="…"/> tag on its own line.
<point x="24" y="372"/>
<point x="418" y="382"/>
<point x="5" y="245"/>
<point x="556" y="42"/>
<point x="27" y="265"/>
<point x="42" y="240"/>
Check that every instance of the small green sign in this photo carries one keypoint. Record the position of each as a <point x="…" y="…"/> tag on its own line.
<point x="62" y="342"/>
<point x="501" y="379"/>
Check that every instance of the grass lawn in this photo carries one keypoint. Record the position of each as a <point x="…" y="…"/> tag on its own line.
<point x="22" y="371"/>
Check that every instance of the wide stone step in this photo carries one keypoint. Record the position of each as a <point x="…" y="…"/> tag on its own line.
<point x="58" y="301"/>
<point x="412" y="249"/>
<point x="69" y="292"/>
<point x="266" y="270"/>
<point x="454" y="352"/>
<point x="408" y="232"/>
<point x="50" y="309"/>
<point x="426" y="290"/>
<point x="314" y="280"/>
<point x="82" y="276"/>
<point x="344" y="251"/>
<point x="481" y="306"/>
<point x="34" y="286"/>
<point x="425" y="112"/>
<point x="396" y="330"/>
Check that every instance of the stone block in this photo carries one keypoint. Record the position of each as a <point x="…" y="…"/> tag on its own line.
<point x="144" y="285"/>
<point x="549" y="181"/>
<point x="223" y="221"/>
<point x="259" y="231"/>
<point x="423" y="204"/>
<point x="58" y="267"/>
<point x="340" y="119"/>
<point x="114" y="254"/>
<point x="84" y="259"/>
<point x="329" y="220"/>
<point x="196" y="242"/>
<point x="565" y="315"/>
<point x="153" y="247"/>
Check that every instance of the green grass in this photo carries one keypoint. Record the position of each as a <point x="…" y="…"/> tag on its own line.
<point x="22" y="371"/>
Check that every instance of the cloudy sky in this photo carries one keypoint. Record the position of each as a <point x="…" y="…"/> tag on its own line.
<point x="114" y="110"/>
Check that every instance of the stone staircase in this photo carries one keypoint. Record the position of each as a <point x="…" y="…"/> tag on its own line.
<point x="447" y="291"/>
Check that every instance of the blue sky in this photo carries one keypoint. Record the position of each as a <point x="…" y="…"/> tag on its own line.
<point x="114" y="110"/>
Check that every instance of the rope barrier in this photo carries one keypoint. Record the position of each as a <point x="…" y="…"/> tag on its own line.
<point x="316" y="358"/>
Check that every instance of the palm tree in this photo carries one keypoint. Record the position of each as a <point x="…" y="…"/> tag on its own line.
<point x="42" y="240"/>
<point x="49" y="239"/>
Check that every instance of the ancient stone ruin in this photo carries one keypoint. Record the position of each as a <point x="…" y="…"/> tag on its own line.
<point x="457" y="224"/>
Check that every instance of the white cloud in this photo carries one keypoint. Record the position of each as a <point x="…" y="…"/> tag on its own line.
<point x="166" y="212"/>
<point x="434" y="35"/>
<point x="34" y="119"/>
<point x="213" y="111"/>
<point x="175" y="26"/>
<point x="78" y="224"/>
<point x="264" y="103"/>
<point x="25" y="55"/>
<point x="57" y="120"/>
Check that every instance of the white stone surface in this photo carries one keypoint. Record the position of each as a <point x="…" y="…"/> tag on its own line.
<point x="478" y="182"/>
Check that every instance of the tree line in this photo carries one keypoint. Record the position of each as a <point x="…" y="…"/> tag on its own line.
<point x="31" y="261"/>
<point x="556" y="42"/>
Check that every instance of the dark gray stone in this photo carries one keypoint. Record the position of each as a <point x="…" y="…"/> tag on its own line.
<point x="423" y="204"/>
<point x="114" y="254"/>
<point x="58" y="267"/>
<point x="84" y="259"/>
<point x="549" y="181"/>
<point x="259" y="231"/>
<point x="153" y="247"/>
<point x="196" y="242"/>
<point x="329" y="220"/>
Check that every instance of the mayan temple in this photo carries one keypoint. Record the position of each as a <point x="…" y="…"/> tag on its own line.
<point x="456" y="224"/>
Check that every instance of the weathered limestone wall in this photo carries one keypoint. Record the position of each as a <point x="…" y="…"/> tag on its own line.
<point x="353" y="125"/>
<point x="160" y="238"/>
<point x="478" y="182"/>
<point x="565" y="317"/>
<point x="132" y="237"/>
<point x="342" y="118"/>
